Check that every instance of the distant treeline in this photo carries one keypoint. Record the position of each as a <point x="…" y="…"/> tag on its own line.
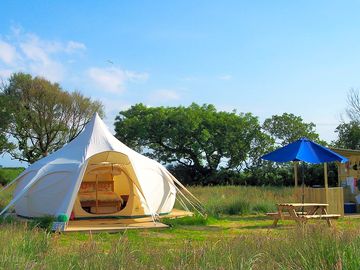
<point x="7" y="174"/>
<point x="198" y="143"/>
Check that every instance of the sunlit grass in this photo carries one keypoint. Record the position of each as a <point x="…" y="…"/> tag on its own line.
<point x="240" y="200"/>
<point x="222" y="245"/>
<point x="234" y="235"/>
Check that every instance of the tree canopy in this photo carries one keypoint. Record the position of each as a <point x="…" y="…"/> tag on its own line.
<point x="42" y="116"/>
<point x="5" y="145"/>
<point x="288" y="127"/>
<point x="198" y="137"/>
<point x="348" y="135"/>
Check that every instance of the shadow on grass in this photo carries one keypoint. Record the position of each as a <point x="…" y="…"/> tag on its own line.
<point x="243" y="218"/>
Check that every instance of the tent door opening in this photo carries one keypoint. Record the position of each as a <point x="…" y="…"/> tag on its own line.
<point x="104" y="189"/>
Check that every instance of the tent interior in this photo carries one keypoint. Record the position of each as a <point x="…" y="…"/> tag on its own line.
<point x="109" y="187"/>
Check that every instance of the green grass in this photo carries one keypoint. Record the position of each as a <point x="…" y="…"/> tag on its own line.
<point x="242" y="242"/>
<point x="234" y="235"/>
<point x="240" y="200"/>
<point x="194" y="220"/>
<point x="8" y="174"/>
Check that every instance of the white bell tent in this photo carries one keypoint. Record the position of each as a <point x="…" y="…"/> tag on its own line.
<point x="96" y="175"/>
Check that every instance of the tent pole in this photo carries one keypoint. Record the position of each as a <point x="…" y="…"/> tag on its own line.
<point x="295" y="173"/>
<point x="326" y="182"/>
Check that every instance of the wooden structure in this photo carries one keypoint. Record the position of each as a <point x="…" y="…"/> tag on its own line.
<point x="333" y="196"/>
<point x="349" y="175"/>
<point x="351" y="168"/>
<point x="302" y="212"/>
<point x="100" y="194"/>
<point x="115" y="225"/>
<point x="110" y="225"/>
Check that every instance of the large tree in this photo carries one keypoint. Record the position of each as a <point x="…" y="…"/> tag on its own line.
<point x="5" y="145"/>
<point x="288" y="127"/>
<point x="348" y="135"/>
<point x="198" y="137"/>
<point x="43" y="116"/>
<point x="353" y="105"/>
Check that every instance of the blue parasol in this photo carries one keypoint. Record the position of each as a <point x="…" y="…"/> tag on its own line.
<point x="304" y="150"/>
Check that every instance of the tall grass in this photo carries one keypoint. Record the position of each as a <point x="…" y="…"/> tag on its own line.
<point x="235" y="200"/>
<point x="312" y="248"/>
<point x="7" y="174"/>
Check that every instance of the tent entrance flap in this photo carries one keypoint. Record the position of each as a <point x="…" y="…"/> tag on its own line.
<point x="107" y="187"/>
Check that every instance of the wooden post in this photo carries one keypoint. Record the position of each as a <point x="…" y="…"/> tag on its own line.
<point x="340" y="169"/>
<point x="97" y="203"/>
<point x="326" y="182"/>
<point x="295" y="173"/>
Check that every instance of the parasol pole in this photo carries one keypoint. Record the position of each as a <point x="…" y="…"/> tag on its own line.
<point x="326" y="182"/>
<point x="303" y="185"/>
<point x="296" y="173"/>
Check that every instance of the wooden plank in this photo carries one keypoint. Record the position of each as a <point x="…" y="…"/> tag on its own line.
<point x="109" y="226"/>
<point x="335" y="198"/>
<point x="302" y="204"/>
<point x="322" y="216"/>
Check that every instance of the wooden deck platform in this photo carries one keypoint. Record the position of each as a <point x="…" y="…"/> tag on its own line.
<point x="115" y="225"/>
<point x="110" y="225"/>
<point x="177" y="213"/>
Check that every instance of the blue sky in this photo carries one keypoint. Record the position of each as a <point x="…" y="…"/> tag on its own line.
<point x="266" y="57"/>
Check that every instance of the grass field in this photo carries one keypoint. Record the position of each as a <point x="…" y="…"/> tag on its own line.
<point x="236" y="235"/>
<point x="8" y="174"/>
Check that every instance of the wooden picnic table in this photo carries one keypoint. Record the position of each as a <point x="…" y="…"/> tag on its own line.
<point x="302" y="212"/>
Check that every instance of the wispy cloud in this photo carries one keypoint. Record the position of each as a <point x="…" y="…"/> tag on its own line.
<point x="8" y="53"/>
<point x="163" y="95"/>
<point x="166" y="94"/>
<point x="74" y="46"/>
<point x="27" y="52"/>
<point x="114" y="79"/>
<point x="225" y="77"/>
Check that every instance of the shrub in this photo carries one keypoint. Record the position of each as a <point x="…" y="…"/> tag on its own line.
<point x="44" y="222"/>
<point x="193" y="220"/>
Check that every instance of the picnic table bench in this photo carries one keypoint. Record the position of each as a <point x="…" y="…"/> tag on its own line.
<point x="302" y="212"/>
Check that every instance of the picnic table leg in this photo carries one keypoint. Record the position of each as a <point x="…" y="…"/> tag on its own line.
<point x="275" y="222"/>
<point x="328" y="220"/>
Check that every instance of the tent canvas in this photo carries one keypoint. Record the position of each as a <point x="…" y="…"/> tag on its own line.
<point x="52" y="185"/>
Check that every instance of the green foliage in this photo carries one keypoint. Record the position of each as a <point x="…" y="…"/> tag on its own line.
<point x="194" y="220"/>
<point x="348" y="135"/>
<point x="42" y="116"/>
<point x="9" y="174"/>
<point x="239" y="200"/>
<point x="5" y="145"/>
<point x="287" y="128"/>
<point x="44" y="222"/>
<point x="199" y="138"/>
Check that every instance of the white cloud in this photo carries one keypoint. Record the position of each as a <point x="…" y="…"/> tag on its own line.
<point x="8" y="53"/>
<point x="28" y="52"/>
<point x="165" y="95"/>
<point x="39" y="60"/>
<point x="112" y="108"/>
<point x="5" y="73"/>
<point x="114" y="79"/>
<point x="225" y="77"/>
<point x="73" y="46"/>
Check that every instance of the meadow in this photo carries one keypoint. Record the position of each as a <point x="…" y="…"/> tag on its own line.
<point x="235" y="235"/>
